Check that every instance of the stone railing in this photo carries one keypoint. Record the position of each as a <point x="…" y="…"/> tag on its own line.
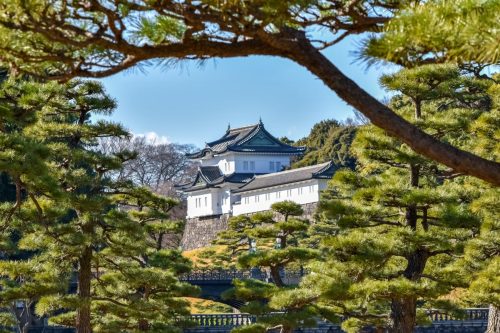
<point x="234" y="319"/>
<point x="472" y="320"/>
<point x="239" y="319"/>
<point x="288" y="276"/>
<point x="467" y="314"/>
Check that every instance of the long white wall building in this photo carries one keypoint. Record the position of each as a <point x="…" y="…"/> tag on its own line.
<point x="242" y="173"/>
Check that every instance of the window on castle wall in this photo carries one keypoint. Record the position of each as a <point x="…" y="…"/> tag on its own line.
<point x="245" y="165"/>
<point x="271" y="166"/>
<point x="252" y="165"/>
<point x="278" y="195"/>
<point x="299" y="191"/>
<point x="278" y="166"/>
<point x="311" y="188"/>
<point x="246" y="200"/>
<point x="268" y="196"/>
<point x="206" y="200"/>
<point x="288" y="193"/>
<point x="257" y="198"/>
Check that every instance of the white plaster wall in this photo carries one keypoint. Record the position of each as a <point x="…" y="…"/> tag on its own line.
<point x="259" y="200"/>
<point x="235" y="162"/>
<point x="224" y="162"/>
<point x="225" y="199"/>
<point x="208" y="203"/>
<point x="260" y="163"/>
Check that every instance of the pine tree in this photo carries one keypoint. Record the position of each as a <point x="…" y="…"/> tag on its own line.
<point x="403" y="220"/>
<point x="235" y="241"/>
<point x="25" y="167"/>
<point x="482" y="254"/>
<point x="85" y="222"/>
<point x="270" y="242"/>
<point x="482" y="258"/>
<point x="328" y="140"/>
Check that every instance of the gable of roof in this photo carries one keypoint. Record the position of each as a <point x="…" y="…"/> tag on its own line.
<point x="254" y="138"/>
<point x="319" y="171"/>
<point x="211" y="176"/>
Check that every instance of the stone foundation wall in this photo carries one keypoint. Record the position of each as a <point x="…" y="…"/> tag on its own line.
<point x="309" y="211"/>
<point x="200" y="232"/>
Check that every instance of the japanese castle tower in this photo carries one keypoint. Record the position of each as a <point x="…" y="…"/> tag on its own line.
<point x="245" y="171"/>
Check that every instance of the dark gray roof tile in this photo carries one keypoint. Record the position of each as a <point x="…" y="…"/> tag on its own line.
<point x="254" y="138"/>
<point x="321" y="171"/>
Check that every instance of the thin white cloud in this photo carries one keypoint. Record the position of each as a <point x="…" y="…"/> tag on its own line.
<point x="153" y="138"/>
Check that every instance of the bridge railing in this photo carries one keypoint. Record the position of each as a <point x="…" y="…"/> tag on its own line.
<point x="467" y="314"/>
<point x="473" y="317"/>
<point x="239" y="319"/>
<point x="288" y="276"/>
<point x="236" y="319"/>
<point x="216" y="275"/>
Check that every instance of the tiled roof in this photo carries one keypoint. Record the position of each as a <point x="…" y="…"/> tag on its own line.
<point x="319" y="171"/>
<point x="240" y="140"/>
<point x="240" y="177"/>
<point x="211" y="176"/>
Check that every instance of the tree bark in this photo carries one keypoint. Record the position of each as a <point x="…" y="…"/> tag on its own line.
<point x="493" y="320"/>
<point x="275" y="274"/>
<point x="83" y="317"/>
<point x="403" y="315"/>
<point x="404" y="309"/>
<point x="418" y="109"/>
<point x="143" y="324"/>
<point x="302" y="52"/>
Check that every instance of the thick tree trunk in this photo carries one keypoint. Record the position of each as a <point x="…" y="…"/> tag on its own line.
<point x="404" y="309"/>
<point x="302" y="52"/>
<point x="83" y="317"/>
<point x="493" y="320"/>
<point x="403" y="315"/>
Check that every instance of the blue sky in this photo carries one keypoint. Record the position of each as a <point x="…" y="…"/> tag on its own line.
<point x="193" y="104"/>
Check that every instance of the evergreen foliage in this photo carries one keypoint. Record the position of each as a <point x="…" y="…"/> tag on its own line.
<point x="482" y="254"/>
<point x="328" y="140"/>
<point x="464" y="31"/>
<point x="403" y="221"/>
<point x="270" y="242"/>
<point x="95" y="39"/>
<point x="82" y="228"/>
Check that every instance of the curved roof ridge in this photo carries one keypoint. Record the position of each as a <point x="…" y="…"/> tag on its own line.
<point x="239" y="140"/>
<point x="323" y="165"/>
<point x="318" y="171"/>
<point x="242" y="128"/>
